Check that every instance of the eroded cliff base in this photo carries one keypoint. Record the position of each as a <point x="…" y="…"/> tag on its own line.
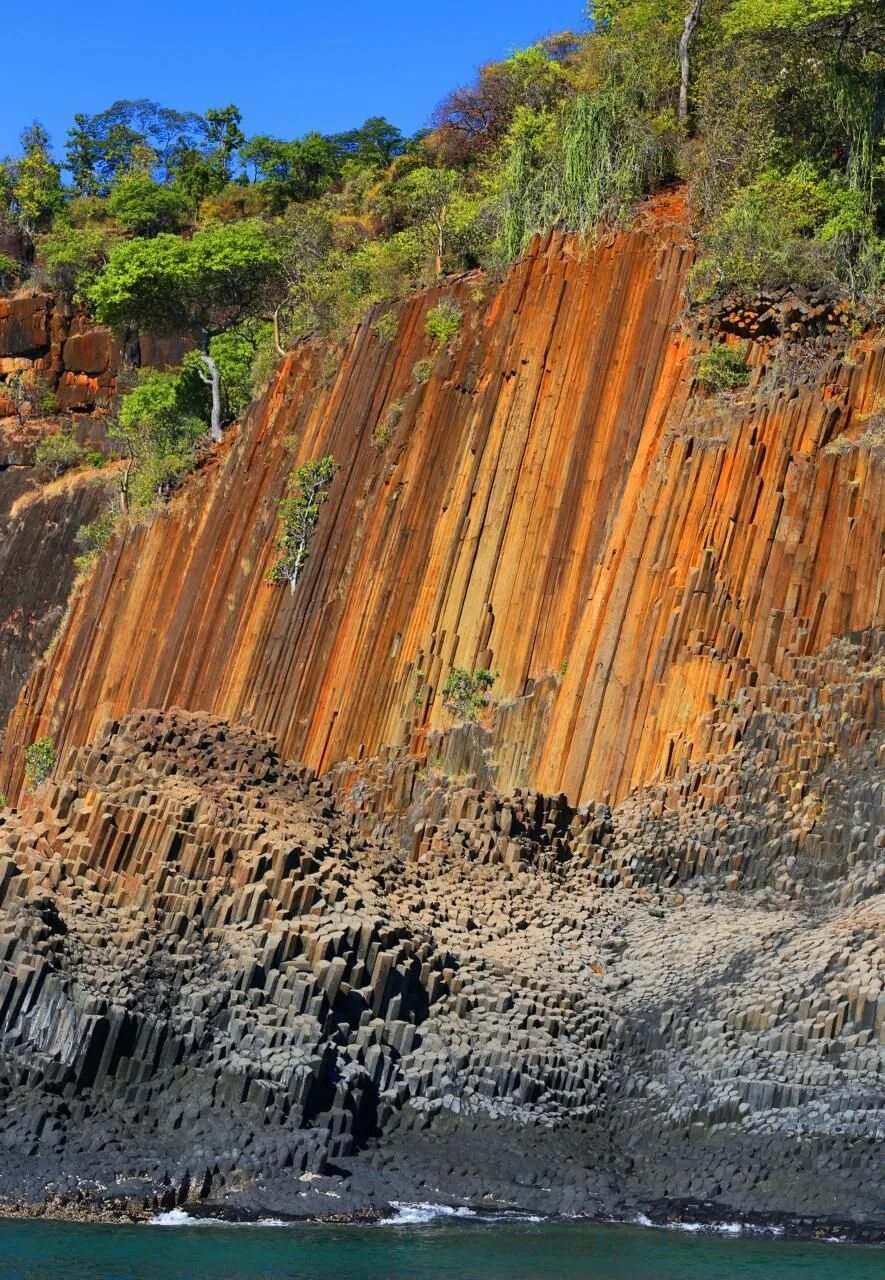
<point x="228" y="982"/>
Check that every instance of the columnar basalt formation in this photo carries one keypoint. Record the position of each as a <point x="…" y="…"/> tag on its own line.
<point x="222" y="983"/>
<point x="561" y="503"/>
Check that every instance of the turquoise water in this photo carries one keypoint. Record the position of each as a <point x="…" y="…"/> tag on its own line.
<point x="445" y="1251"/>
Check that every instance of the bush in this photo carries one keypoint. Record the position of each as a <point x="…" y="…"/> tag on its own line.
<point x="158" y="431"/>
<point x="145" y="207"/>
<point x="57" y="454"/>
<point x="39" y="759"/>
<point x="724" y="368"/>
<point x="464" y="695"/>
<point x="385" y="328"/>
<point x="10" y="270"/>
<point x="74" y="256"/>
<point x="93" y="538"/>
<point x="422" y="371"/>
<point x="385" y="429"/>
<point x="443" y="322"/>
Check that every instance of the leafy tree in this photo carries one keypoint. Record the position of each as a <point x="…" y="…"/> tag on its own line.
<point x="430" y="195"/>
<point x="157" y="434"/>
<point x="373" y="146"/>
<point x="225" y="138"/>
<point x="56" y="454"/>
<point x="299" y="516"/>
<point x="104" y="147"/>
<point x="145" y="207"/>
<point x="34" y="181"/>
<point x="206" y="285"/>
<point x="74" y="256"/>
<point x="10" y="270"/>
<point x="298" y="170"/>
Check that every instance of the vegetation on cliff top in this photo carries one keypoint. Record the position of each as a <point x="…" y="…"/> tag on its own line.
<point x="167" y="221"/>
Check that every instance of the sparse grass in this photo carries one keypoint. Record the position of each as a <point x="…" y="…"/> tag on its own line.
<point x="841" y="444"/>
<point x="384" y="431"/>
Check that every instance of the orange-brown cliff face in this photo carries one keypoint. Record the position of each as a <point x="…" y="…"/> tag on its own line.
<point x="560" y="503"/>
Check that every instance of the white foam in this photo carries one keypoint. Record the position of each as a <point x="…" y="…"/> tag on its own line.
<point x="414" y="1215"/>
<point x="179" y="1218"/>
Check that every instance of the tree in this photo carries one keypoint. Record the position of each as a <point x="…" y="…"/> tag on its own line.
<point x="299" y="516"/>
<point x="225" y="139"/>
<point x="373" y="146"/>
<point x="691" y="21"/>
<point x="157" y="435"/>
<point x="101" y="148"/>
<point x="430" y="194"/>
<point x="291" y="171"/>
<point x="145" y="207"/>
<point x="35" y="181"/>
<point x="206" y="285"/>
<point x="74" y="256"/>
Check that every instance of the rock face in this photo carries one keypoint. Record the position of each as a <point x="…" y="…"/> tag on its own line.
<point x="617" y="941"/>
<point x="226" y="979"/>
<point x="560" y="503"/>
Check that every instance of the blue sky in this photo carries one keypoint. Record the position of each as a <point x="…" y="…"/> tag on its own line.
<point x="290" y="66"/>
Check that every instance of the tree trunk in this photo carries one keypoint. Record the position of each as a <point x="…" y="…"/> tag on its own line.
<point x="212" y="378"/>
<point x="691" y="21"/>
<point x="276" y="333"/>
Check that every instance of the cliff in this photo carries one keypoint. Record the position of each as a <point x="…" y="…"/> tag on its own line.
<point x="281" y="932"/>
<point x="561" y="503"/>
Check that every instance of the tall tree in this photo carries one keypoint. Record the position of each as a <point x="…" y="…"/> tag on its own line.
<point x="207" y="285"/>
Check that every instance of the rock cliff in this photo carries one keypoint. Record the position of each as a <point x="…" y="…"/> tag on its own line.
<point x="614" y="945"/>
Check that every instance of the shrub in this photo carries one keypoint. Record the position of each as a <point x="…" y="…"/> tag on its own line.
<point x="443" y="322"/>
<point x="9" y="270"/>
<point x="145" y="207"/>
<point x="724" y="368"/>
<point x="422" y="371"/>
<point x="386" y="427"/>
<point x="93" y="538"/>
<point x="385" y="328"/>
<point x="39" y="759"/>
<point x="464" y="695"/>
<point x="299" y="515"/>
<point x="74" y="256"/>
<point x="56" y="454"/>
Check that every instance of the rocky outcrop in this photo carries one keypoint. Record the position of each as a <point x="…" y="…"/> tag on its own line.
<point x="225" y="979"/>
<point x="561" y="503"/>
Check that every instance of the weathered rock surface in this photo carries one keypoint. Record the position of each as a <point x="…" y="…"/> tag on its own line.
<point x="561" y="503"/>
<point x="226" y="980"/>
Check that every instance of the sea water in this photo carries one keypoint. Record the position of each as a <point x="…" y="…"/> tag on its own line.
<point x="419" y="1244"/>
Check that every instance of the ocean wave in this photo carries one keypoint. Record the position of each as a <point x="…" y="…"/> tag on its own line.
<point x="712" y="1228"/>
<point x="413" y="1215"/>
<point x="180" y="1218"/>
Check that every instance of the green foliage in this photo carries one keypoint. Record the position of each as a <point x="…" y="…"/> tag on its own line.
<point x="790" y="228"/>
<point x="168" y="284"/>
<point x="443" y="322"/>
<point x="32" y="182"/>
<point x="422" y="371"/>
<point x="10" y="270"/>
<point x="56" y="454"/>
<point x="157" y="432"/>
<point x="92" y="539"/>
<point x="145" y="207"/>
<point x="384" y="431"/>
<point x="384" y="328"/>
<point x="465" y="695"/>
<point x="39" y="761"/>
<point x="74" y="256"/>
<point x="724" y="368"/>
<point x="236" y="352"/>
<point x="299" y="515"/>
<point x="753" y="16"/>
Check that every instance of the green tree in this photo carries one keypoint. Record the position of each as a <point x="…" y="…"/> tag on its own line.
<point x="430" y="195"/>
<point x="299" y="516"/>
<point x="145" y="207"/>
<point x="207" y="285"/>
<point x="105" y="147"/>
<point x="156" y="432"/>
<point x="74" y="256"/>
<point x="35" y="182"/>
<point x="297" y="170"/>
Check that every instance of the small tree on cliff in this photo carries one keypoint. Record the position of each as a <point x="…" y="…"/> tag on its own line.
<point x="299" y="515"/>
<point x="205" y="285"/>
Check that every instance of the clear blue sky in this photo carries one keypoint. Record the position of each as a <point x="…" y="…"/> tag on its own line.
<point x="290" y="65"/>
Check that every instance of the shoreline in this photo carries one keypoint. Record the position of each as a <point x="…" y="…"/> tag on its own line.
<point x="700" y="1219"/>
